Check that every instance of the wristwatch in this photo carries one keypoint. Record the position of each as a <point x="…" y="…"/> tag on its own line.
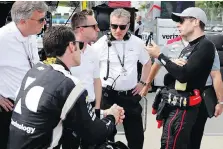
<point x="144" y="84"/>
<point x="220" y="102"/>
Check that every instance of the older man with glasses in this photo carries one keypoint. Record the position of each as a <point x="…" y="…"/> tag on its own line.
<point x="119" y="52"/>
<point x="18" y="53"/>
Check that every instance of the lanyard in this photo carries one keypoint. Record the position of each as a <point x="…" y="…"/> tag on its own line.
<point x="121" y="62"/>
<point x="29" y="53"/>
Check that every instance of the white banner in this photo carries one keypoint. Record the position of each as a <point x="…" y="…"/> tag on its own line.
<point x="166" y="30"/>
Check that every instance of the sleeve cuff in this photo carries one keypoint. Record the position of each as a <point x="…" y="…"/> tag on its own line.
<point x="111" y="117"/>
<point x="163" y="59"/>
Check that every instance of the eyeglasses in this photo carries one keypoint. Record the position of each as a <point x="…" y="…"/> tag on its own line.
<point x="121" y="27"/>
<point x="182" y="19"/>
<point x="41" y="20"/>
<point x="81" y="44"/>
<point x="94" y="26"/>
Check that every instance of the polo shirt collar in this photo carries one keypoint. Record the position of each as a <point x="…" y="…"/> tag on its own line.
<point x="18" y="34"/>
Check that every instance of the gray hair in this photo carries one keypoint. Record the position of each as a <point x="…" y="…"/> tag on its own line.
<point x="24" y="9"/>
<point x="120" y="12"/>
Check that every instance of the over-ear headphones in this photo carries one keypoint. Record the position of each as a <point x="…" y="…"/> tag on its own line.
<point x="112" y="38"/>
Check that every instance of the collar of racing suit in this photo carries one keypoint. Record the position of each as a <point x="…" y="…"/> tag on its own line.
<point x="58" y="61"/>
<point x="196" y="40"/>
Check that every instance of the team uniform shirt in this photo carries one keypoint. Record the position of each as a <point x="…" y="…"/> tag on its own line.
<point x="15" y="51"/>
<point x="173" y="49"/>
<point x="121" y="78"/>
<point x="196" y="71"/>
<point x="49" y="99"/>
<point x="215" y="67"/>
<point x="88" y="71"/>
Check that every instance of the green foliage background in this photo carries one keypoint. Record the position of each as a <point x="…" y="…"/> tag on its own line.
<point x="213" y="9"/>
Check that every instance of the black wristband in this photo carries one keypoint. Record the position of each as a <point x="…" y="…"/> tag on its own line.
<point x="97" y="112"/>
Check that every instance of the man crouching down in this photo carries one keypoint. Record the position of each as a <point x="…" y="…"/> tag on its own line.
<point x="51" y="99"/>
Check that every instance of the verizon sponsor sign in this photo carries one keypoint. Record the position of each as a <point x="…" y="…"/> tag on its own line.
<point x="165" y="29"/>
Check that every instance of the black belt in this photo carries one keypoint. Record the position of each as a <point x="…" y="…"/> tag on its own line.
<point x="206" y="87"/>
<point x="176" y="100"/>
<point x="110" y="90"/>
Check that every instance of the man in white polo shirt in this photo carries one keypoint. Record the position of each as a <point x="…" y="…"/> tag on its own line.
<point x="86" y="30"/>
<point x="139" y="27"/>
<point x="18" y="52"/>
<point x="119" y="51"/>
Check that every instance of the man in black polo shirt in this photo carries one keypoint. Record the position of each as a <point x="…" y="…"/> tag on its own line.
<point x="184" y="84"/>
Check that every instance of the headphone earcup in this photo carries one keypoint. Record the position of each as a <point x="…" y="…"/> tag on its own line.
<point x="112" y="38"/>
<point x="127" y="36"/>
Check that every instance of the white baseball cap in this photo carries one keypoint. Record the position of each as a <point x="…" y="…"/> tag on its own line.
<point x="194" y="12"/>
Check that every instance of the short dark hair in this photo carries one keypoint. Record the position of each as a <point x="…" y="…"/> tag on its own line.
<point x="80" y="18"/>
<point x="56" y="40"/>
<point x="202" y="25"/>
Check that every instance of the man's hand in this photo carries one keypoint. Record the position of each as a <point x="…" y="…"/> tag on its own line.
<point x="153" y="50"/>
<point x="6" y="104"/>
<point x="145" y="90"/>
<point x="181" y="62"/>
<point x="218" y="110"/>
<point x="137" y="89"/>
<point x="121" y="115"/>
<point x="117" y="112"/>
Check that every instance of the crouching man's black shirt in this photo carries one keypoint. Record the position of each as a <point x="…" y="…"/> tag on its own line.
<point x="49" y="98"/>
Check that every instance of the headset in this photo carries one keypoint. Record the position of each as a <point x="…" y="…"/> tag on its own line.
<point x="111" y="38"/>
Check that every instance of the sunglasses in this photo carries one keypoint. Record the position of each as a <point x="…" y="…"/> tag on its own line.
<point x="121" y="27"/>
<point x="182" y="19"/>
<point x="80" y="43"/>
<point x="94" y="26"/>
<point x="41" y="20"/>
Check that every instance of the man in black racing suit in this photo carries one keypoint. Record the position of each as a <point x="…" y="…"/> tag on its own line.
<point x="50" y="98"/>
<point x="185" y="81"/>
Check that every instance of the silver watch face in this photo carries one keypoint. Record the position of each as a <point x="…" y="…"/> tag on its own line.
<point x="221" y="102"/>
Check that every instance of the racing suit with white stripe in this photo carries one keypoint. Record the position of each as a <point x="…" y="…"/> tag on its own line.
<point x="49" y="99"/>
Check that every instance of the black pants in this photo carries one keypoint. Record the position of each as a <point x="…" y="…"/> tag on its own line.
<point x="177" y="128"/>
<point x="5" y="120"/>
<point x="133" y="126"/>
<point x="84" y="144"/>
<point x="198" y="128"/>
<point x="70" y="140"/>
